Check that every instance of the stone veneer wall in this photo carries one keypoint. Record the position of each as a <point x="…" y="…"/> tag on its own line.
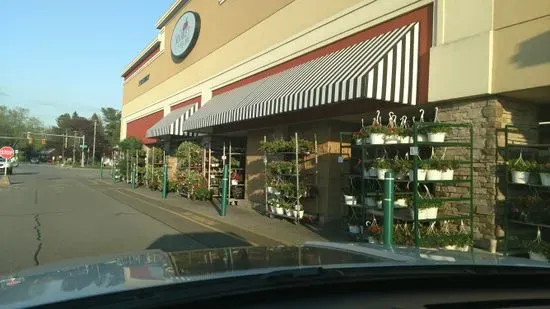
<point x="488" y="117"/>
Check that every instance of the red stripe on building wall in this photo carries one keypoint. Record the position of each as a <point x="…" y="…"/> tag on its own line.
<point x="138" y="128"/>
<point x="422" y="15"/>
<point x="140" y="64"/>
<point x="186" y="103"/>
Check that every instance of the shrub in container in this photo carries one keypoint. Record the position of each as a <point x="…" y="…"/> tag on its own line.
<point x="521" y="170"/>
<point x="539" y="250"/>
<point x="405" y="135"/>
<point x="382" y="166"/>
<point x="458" y="241"/>
<point x="544" y="172"/>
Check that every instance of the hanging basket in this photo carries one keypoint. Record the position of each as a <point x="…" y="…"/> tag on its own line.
<point x="520" y="177"/>
<point x="438" y="137"/>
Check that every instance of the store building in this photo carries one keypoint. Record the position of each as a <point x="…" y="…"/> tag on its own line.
<point x="236" y="68"/>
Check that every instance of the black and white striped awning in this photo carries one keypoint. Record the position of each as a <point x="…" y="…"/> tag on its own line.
<point x="172" y="124"/>
<point x="383" y="68"/>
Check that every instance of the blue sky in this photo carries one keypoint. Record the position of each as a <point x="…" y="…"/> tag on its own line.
<point x="59" y="56"/>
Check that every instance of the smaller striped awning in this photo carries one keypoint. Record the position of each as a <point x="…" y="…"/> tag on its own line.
<point x="383" y="68"/>
<point x="172" y="124"/>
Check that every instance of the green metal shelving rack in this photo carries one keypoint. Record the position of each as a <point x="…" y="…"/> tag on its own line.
<point x="534" y="149"/>
<point x="346" y="143"/>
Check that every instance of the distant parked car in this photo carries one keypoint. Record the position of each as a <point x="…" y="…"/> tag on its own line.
<point x="35" y="161"/>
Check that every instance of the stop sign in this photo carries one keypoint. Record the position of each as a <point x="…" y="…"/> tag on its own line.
<point x="7" y="152"/>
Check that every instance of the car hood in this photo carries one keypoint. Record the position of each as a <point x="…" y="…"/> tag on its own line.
<point x="106" y="274"/>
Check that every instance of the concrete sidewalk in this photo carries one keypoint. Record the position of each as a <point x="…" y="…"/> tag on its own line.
<point x="245" y="218"/>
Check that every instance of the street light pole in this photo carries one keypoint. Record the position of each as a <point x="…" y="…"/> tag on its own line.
<point x="93" y="149"/>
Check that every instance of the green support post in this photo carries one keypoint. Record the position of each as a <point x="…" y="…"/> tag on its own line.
<point x="389" y="195"/>
<point x="225" y="181"/>
<point x="134" y="177"/>
<point x="164" y="179"/>
<point x="101" y="169"/>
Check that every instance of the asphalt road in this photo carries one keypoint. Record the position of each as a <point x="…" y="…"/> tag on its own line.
<point x="49" y="214"/>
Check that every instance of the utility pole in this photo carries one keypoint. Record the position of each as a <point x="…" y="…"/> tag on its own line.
<point x="74" y="148"/>
<point x="64" y="146"/>
<point x="82" y="151"/>
<point x="93" y="149"/>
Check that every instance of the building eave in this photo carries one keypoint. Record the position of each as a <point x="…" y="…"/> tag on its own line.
<point x="142" y="55"/>
<point x="172" y="10"/>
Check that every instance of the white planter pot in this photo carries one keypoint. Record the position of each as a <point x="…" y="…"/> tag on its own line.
<point x="379" y="204"/>
<point x="370" y="202"/>
<point x="381" y="173"/>
<point x="288" y="212"/>
<point x="520" y="177"/>
<point x="421" y="174"/>
<point x="392" y="139"/>
<point x="350" y="200"/>
<point x="436" y="137"/>
<point x="405" y="139"/>
<point x="371" y="239"/>
<point x="400" y="203"/>
<point x="359" y="142"/>
<point x="426" y="213"/>
<point x="214" y="164"/>
<point x="545" y="179"/>
<point x="535" y="256"/>
<point x="447" y="175"/>
<point x="371" y="172"/>
<point x="279" y="210"/>
<point x="422" y="138"/>
<point x="234" y="182"/>
<point x="457" y="248"/>
<point x="433" y="175"/>
<point x="354" y="229"/>
<point x="295" y="213"/>
<point x="377" y="138"/>
<point x="300" y="214"/>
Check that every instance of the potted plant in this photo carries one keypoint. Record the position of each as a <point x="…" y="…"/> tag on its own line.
<point x="427" y="208"/>
<point x="448" y="168"/>
<point x="434" y="170"/>
<point x="401" y="201"/>
<point x="287" y="207"/>
<point x="298" y="211"/>
<point x="373" y="232"/>
<point x="354" y="226"/>
<point x="357" y="138"/>
<point x="435" y="132"/>
<point x="544" y="172"/>
<point x="405" y="135"/>
<point x="521" y="170"/>
<point x="539" y="250"/>
<point x="370" y="201"/>
<point x="421" y="171"/>
<point x="401" y="167"/>
<point x="377" y="133"/>
<point x="382" y="166"/>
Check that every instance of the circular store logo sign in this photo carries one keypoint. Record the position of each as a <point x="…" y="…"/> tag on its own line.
<point x="185" y="34"/>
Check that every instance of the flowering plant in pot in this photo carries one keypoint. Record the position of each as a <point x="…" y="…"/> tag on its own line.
<point x="357" y="138"/>
<point x="376" y="133"/>
<point x="448" y="168"/>
<point x="521" y="170"/>
<point x="393" y="134"/>
<point x="382" y="166"/>
<point x="539" y="250"/>
<point x="544" y="172"/>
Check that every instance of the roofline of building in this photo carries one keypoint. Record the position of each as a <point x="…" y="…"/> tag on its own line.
<point x="172" y="10"/>
<point x="142" y="55"/>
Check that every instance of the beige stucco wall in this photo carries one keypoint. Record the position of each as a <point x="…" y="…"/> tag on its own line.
<point x="521" y="47"/>
<point x="489" y="47"/>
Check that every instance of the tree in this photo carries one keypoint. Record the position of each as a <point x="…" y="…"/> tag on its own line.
<point x="130" y="143"/>
<point x="111" y="120"/>
<point x="16" y="122"/>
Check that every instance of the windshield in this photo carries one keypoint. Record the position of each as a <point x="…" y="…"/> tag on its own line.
<point x="233" y="137"/>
